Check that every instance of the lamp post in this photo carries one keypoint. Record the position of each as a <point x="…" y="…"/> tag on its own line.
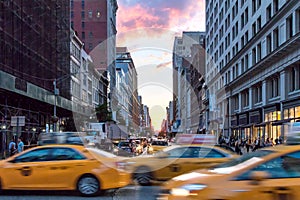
<point x="55" y="118"/>
<point x="3" y="128"/>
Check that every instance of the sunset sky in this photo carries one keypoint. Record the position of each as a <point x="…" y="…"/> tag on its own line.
<point x="147" y="28"/>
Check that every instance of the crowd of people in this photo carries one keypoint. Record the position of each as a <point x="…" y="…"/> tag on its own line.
<point x="248" y="144"/>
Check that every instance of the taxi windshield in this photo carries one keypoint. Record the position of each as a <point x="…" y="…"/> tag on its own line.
<point x="245" y="157"/>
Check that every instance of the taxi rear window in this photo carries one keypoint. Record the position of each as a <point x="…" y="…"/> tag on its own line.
<point x="243" y="158"/>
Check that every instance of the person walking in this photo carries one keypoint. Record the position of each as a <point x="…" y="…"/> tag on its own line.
<point x="20" y="145"/>
<point x="12" y="148"/>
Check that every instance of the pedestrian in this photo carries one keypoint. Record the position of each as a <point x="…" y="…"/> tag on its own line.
<point x="256" y="144"/>
<point x="248" y="145"/>
<point x="12" y="148"/>
<point x="237" y="147"/>
<point x="20" y="145"/>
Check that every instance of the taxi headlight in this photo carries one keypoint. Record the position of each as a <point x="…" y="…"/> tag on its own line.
<point x="187" y="190"/>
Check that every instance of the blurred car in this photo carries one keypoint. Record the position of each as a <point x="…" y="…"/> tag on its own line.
<point x="270" y="173"/>
<point x="175" y="160"/>
<point x="123" y="149"/>
<point x="158" y="145"/>
<point x="63" y="167"/>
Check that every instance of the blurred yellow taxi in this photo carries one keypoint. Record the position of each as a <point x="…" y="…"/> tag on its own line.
<point x="270" y="174"/>
<point x="175" y="160"/>
<point x="158" y="145"/>
<point x="63" y="167"/>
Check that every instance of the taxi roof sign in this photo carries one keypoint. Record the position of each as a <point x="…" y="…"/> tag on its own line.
<point x="195" y="139"/>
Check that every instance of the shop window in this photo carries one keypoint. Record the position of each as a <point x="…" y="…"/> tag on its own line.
<point x="297" y="112"/>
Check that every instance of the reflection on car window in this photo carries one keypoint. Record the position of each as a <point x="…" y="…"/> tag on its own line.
<point x="66" y="154"/>
<point x="286" y="166"/>
<point x="210" y="153"/>
<point x="37" y="155"/>
<point x="184" y="152"/>
<point x="243" y="158"/>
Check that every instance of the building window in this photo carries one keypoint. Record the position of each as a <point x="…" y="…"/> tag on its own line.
<point x="246" y="16"/>
<point x="274" y="87"/>
<point x="82" y="4"/>
<point x="243" y="65"/>
<point x="269" y="41"/>
<point x="253" y="56"/>
<point x="246" y="62"/>
<point x="259" y="23"/>
<point x="245" y="98"/>
<point x="72" y="24"/>
<point x="235" y="102"/>
<point x="275" y="6"/>
<point x="268" y="13"/>
<point x="83" y="25"/>
<point x="253" y="6"/>
<point x="275" y="38"/>
<point x="257" y="92"/>
<point x="90" y="34"/>
<point x="258" y="52"/>
<point x="90" y="46"/>
<point x="82" y="15"/>
<point x="253" y="29"/>
<point x="242" y="20"/>
<point x="289" y="27"/>
<point x="297" y="21"/>
<point x="83" y="35"/>
<point x="294" y="78"/>
<point x="90" y="14"/>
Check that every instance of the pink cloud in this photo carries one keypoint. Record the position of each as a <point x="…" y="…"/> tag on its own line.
<point x="165" y="64"/>
<point x="159" y="14"/>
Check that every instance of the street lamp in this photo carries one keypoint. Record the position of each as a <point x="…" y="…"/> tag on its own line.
<point x="55" y="118"/>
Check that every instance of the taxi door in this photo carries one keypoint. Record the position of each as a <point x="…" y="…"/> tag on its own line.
<point x="66" y="165"/>
<point x="29" y="170"/>
<point x="181" y="160"/>
<point x="278" y="179"/>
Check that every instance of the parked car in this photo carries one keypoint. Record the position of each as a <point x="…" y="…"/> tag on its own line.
<point x="63" y="167"/>
<point x="175" y="160"/>
<point x="270" y="173"/>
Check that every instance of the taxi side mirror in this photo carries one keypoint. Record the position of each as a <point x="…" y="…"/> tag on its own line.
<point x="258" y="176"/>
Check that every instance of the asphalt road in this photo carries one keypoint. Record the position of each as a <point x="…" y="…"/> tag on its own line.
<point x="126" y="193"/>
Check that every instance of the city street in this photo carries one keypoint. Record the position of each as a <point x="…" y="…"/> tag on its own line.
<point x="127" y="193"/>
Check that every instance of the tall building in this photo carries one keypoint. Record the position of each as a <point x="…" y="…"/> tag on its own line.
<point x="95" y="23"/>
<point x="125" y="63"/>
<point x="34" y="51"/>
<point x="252" y="66"/>
<point x="182" y="87"/>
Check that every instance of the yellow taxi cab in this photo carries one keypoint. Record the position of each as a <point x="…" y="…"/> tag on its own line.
<point x="158" y="145"/>
<point x="271" y="173"/>
<point x="175" y="160"/>
<point x="63" y="167"/>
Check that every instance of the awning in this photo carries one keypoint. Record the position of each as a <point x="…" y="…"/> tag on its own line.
<point x="280" y="122"/>
<point x="261" y="124"/>
<point x="246" y="125"/>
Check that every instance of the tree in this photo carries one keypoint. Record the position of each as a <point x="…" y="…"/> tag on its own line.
<point x="102" y="113"/>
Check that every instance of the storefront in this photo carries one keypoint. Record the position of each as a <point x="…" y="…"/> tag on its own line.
<point x="272" y="114"/>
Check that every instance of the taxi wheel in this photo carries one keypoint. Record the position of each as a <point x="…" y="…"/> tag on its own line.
<point x="143" y="176"/>
<point x="88" y="185"/>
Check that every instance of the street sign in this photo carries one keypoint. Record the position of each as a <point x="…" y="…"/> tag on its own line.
<point x="17" y="121"/>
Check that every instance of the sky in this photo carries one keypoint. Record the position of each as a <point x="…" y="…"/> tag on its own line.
<point x="147" y="28"/>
